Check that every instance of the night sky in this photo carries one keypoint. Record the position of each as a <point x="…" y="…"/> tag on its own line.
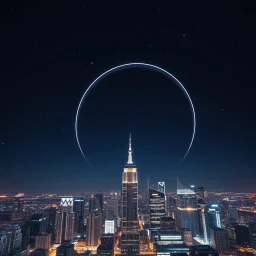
<point x="50" y="53"/>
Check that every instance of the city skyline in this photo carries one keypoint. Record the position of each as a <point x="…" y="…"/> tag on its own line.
<point x="49" y="64"/>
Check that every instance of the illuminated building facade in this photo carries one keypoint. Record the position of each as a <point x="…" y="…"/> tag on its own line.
<point x="65" y="221"/>
<point x="156" y="208"/>
<point x="93" y="223"/>
<point x="43" y="241"/>
<point x="14" y="237"/>
<point x="170" y="243"/>
<point x="109" y="226"/>
<point x="130" y="234"/>
<point x="3" y="243"/>
<point x="187" y="215"/>
<point x="211" y="218"/>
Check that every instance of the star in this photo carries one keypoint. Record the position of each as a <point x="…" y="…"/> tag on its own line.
<point x="92" y="63"/>
<point x="183" y="35"/>
<point x="222" y="109"/>
<point x="41" y="114"/>
<point x="2" y="143"/>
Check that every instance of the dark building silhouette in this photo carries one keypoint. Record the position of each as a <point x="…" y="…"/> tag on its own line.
<point x="203" y="250"/>
<point x="78" y="210"/>
<point x="50" y="215"/>
<point x="242" y="236"/>
<point x="252" y="227"/>
<point x="167" y="223"/>
<point x="107" y="245"/>
<point x="65" y="249"/>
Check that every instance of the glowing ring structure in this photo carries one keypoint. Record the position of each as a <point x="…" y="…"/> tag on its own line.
<point x="135" y="65"/>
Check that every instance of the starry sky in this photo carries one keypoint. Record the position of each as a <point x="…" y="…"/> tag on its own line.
<point x="51" y="52"/>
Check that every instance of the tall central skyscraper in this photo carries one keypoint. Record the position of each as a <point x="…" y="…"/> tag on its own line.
<point x="130" y="234"/>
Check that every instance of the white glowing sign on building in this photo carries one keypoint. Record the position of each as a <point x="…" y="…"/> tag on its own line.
<point x="66" y="201"/>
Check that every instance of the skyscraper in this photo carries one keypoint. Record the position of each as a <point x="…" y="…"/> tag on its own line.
<point x="112" y="208"/>
<point x="50" y="215"/>
<point x="99" y="196"/>
<point x="43" y="241"/>
<point x="65" y="221"/>
<point x="219" y="240"/>
<point x="130" y="234"/>
<point x="156" y="208"/>
<point x="252" y="227"/>
<point x="242" y="236"/>
<point x="65" y="249"/>
<point x="187" y="215"/>
<point x="79" y="217"/>
<point x="211" y="218"/>
<point x="93" y="223"/>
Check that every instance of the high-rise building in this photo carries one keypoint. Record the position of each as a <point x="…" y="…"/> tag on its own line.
<point x="3" y="243"/>
<point x="187" y="215"/>
<point x="18" y="202"/>
<point x="242" y="236"/>
<point x="211" y="218"/>
<point x="43" y="241"/>
<point x="187" y="236"/>
<point x="37" y="225"/>
<point x="199" y="190"/>
<point x="167" y="223"/>
<point x="93" y="223"/>
<point x="65" y="221"/>
<point x="78" y="209"/>
<point x="109" y="226"/>
<point x="252" y="227"/>
<point x="112" y="207"/>
<point x="14" y="237"/>
<point x="170" y="242"/>
<point x="99" y="197"/>
<point x="219" y="240"/>
<point x="161" y="186"/>
<point x="130" y="228"/>
<point x="232" y="214"/>
<point x="106" y="248"/>
<point x="156" y="208"/>
<point x="203" y="250"/>
<point x="50" y="215"/>
<point x="65" y="249"/>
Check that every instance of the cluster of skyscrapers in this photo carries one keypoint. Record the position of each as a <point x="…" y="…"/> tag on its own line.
<point x="156" y="223"/>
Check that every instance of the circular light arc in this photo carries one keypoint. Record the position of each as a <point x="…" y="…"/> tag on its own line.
<point x="134" y="65"/>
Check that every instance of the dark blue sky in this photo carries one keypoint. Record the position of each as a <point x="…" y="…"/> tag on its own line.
<point x="49" y="56"/>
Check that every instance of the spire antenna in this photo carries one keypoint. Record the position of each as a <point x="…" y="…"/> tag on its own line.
<point x="130" y="150"/>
